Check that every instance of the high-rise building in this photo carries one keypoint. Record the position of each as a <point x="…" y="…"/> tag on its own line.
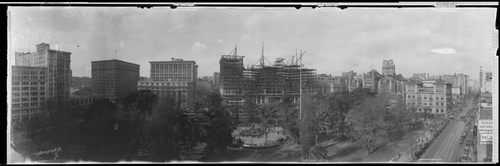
<point x="58" y="68"/>
<point x="485" y="81"/>
<point x="176" y="79"/>
<point x="231" y="78"/>
<point x="175" y="70"/>
<point x="29" y="93"/>
<point x="216" y="82"/>
<point x="462" y="83"/>
<point x="434" y="96"/>
<point x="264" y="83"/>
<point x="388" y="68"/>
<point x="114" y="79"/>
<point x="371" y="79"/>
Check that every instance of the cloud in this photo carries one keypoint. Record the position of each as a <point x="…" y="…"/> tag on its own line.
<point x="220" y="40"/>
<point x="443" y="51"/>
<point x="198" y="46"/>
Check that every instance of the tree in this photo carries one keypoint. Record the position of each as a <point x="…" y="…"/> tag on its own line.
<point x="268" y="115"/>
<point x="163" y="130"/>
<point x="219" y="126"/>
<point x="251" y="109"/>
<point x="366" y="121"/>
<point x="288" y="114"/>
<point x="399" y="120"/>
<point x="139" y="104"/>
<point x="100" y="120"/>
<point x="338" y="106"/>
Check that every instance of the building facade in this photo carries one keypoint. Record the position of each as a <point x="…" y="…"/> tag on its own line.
<point x="81" y="82"/>
<point x="432" y="96"/>
<point x="263" y="83"/>
<point x="422" y="76"/>
<point x="328" y="84"/>
<point x="176" y="78"/>
<point x="486" y="85"/>
<point x="58" y="69"/>
<point x="462" y="82"/>
<point x="484" y="126"/>
<point x="216" y="83"/>
<point x="29" y="93"/>
<point x="114" y="79"/>
<point x="388" y="68"/>
<point x="83" y="98"/>
<point x="179" y="91"/>
<point x="175" y="70"/>
<point x="371" y="80"/>
<point x="394" y="86"/>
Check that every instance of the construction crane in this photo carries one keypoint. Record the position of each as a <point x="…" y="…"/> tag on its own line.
<point x="296" y="59"/>
<point x="299" y="60"/>
<point x="234" y="52"/>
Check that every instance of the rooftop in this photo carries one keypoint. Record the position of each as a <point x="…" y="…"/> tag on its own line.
<point x="173" y="61"/>
<point x="414" y="82"/>
<point x="486" y="113"/>
<point x="81" y="92"/>
<point x="115" y="60"/>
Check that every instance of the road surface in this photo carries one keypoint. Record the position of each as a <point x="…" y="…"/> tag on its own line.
<point x="446" y="147"/>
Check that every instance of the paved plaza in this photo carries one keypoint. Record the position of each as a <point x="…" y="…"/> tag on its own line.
<point x="273" y="135"/>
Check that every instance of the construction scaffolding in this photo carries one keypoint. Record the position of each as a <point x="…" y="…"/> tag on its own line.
<point x="264" y="83"/>
<point x="231" y="77"/>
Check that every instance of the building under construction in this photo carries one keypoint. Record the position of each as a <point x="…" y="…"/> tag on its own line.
<point x="263" y="83"/>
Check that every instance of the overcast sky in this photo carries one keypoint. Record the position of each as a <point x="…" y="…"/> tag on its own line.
<point x="435" y="41"/>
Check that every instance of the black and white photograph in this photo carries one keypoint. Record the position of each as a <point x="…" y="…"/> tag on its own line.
<point x="251" y="84"/>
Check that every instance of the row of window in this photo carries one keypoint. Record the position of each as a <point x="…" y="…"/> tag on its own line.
<point x="425" y="97"/>
<point x="17" y="105"/>
<point x="25" y="111"/>
<point x="29" y="72"/>
<point x="26" y="88"/>
<point x="437" y="103"/>
<point x="168" y="84"/>
<point x="171" y="66"/>
<point x="27" y="99"/>
<point x="437" y="110"/>
<point x="28" y="83"/>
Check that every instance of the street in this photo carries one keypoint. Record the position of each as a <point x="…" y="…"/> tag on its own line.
<point x="446" y="147"/>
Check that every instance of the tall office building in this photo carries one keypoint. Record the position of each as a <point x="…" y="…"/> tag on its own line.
<point x="216" y="83"/>
<point x="388" y="68"/>
<point x="486" y="85"/>
<point x="114" y="79"/>
<point x="176" y="79"/>
<point x="29" y="92"/>
<point x="58" y="69"/>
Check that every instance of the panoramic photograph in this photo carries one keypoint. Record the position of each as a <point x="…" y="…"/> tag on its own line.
<point x="251" y="85"/>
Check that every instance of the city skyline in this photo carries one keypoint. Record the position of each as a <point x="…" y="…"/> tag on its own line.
<point x="451" y="41"/>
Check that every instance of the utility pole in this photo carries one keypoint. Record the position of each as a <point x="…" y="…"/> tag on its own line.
<point x="262" y="56"/>
<point x="300" y="93"/>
